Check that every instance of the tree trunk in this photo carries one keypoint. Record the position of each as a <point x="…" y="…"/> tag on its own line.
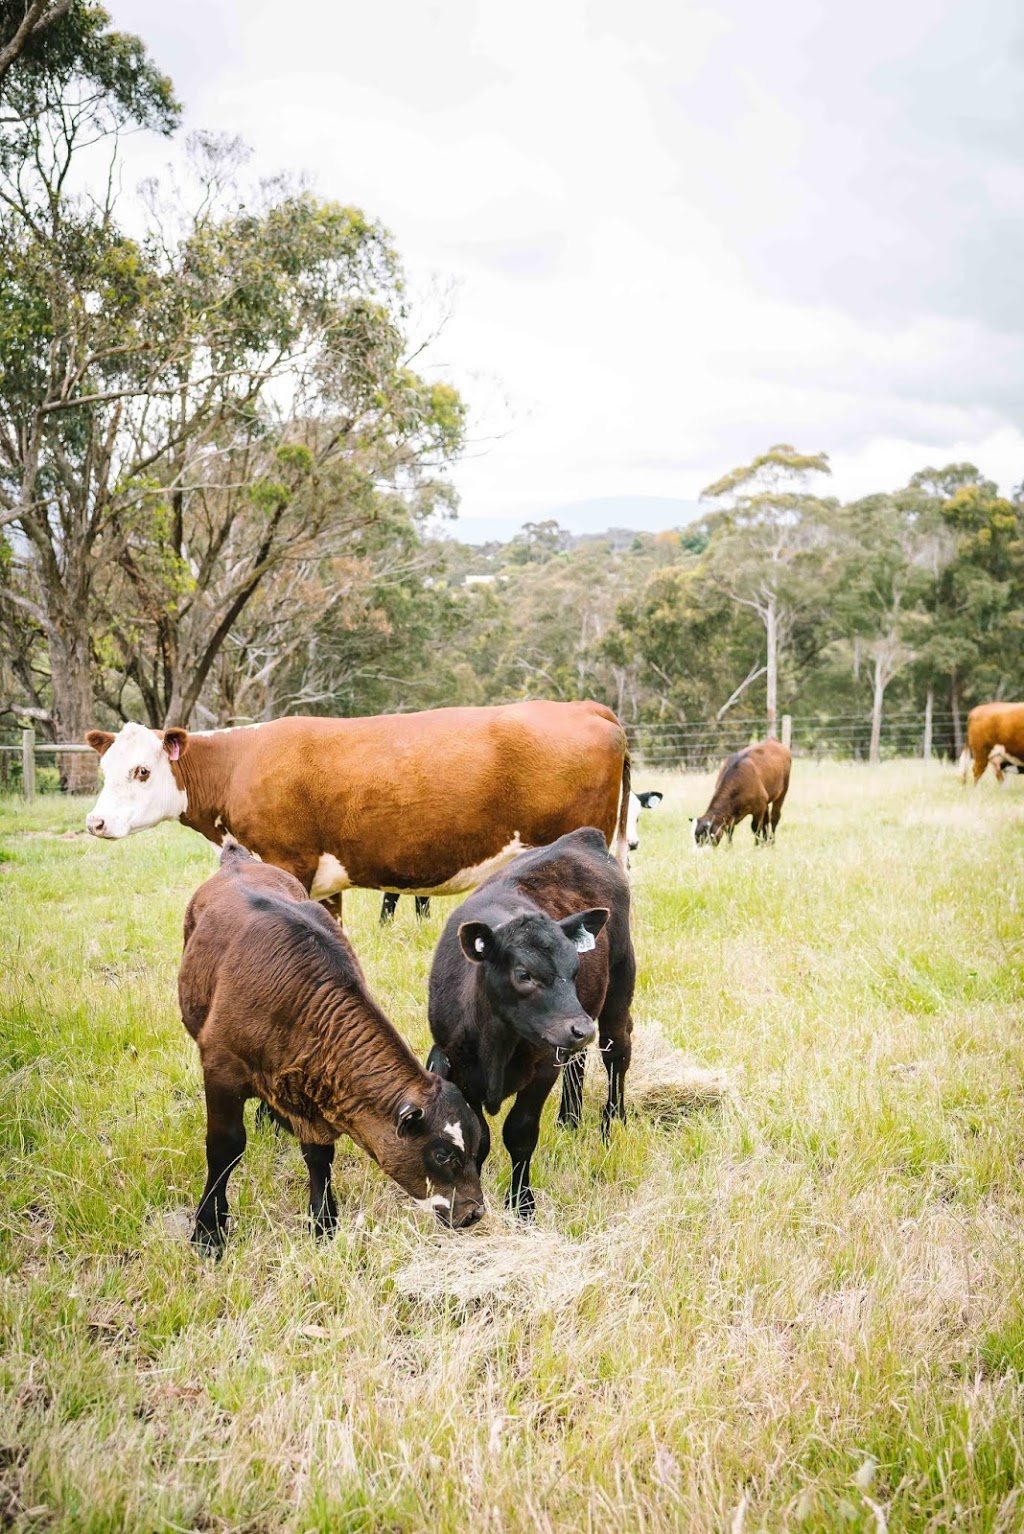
<point x="772" y="635"/>
<point x="954" y="703"/>
<point x="73" y="705"/>
<point x="874" y="752"/>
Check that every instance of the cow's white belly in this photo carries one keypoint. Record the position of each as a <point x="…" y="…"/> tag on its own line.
<point x="468" y="878"/>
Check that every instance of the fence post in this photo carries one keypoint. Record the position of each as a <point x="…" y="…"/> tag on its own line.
<point x="928" y="726"/>
<point x="787" y="730"/>
<point x="28" y="765"/>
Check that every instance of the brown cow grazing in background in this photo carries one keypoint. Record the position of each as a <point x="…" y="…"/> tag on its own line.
<point x="512" y="1001"/>
<point x="274" y="997"/>
<point x="995" y="733"/>
<point x="753" y="782"/>
<point x="429" y="803"/>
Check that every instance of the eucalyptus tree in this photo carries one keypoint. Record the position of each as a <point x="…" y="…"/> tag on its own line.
<point x="889" y="548"/>
<point x="768" y="548"/>
<point x="975" y="647"/>
<point x="185" y="412"/>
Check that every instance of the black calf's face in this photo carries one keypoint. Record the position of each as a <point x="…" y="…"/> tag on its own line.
<point x="440" y="1168"/>
<point x="530" y="966"/>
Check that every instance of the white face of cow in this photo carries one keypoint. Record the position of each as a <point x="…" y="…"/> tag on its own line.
<point x="638" y="802"/>
<point x="139" y="788"/>
<point x="633" y="823"/>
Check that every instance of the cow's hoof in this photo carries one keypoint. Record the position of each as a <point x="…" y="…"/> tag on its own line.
<point x="525" y="1206"/>
<point x="324" y="1224"/>
<point x="208" y="1243"/>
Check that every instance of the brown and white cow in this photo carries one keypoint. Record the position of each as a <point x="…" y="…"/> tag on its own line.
<point x="429" y="803"/>
<point x="995" y="734"/>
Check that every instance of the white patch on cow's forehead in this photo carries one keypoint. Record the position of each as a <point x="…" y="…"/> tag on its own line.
<point x="331" y="877"/>
<point x="454" y="1133"/>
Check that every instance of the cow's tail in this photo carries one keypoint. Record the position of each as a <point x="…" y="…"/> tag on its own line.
<point x="963" y="764"/>
<point x="620" y="848"/>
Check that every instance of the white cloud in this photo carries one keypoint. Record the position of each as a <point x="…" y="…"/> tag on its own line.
<point x="680" y="233"/>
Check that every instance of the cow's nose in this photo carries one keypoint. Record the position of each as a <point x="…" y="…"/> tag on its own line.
<point x="95" y="824"/>
<point x="584" y="1030"/>
<point x="472" y="1216"/>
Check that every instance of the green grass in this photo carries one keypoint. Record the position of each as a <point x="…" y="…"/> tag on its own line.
<point x="800" y="1310"/>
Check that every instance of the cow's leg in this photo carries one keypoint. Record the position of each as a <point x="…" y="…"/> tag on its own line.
<point x="980" y="763"/>
<point x="570" y="1109"/>
<point x="323" y="1211"/>
<point x="332" y="903"/>
<point x="422" y="907"/>
<point x="485" y="1137"/>
<point x="225" y="1144"/>
<point x="615" y="1032"/>
<point x="387" y="908"/>
<point x="521" y="1131"/>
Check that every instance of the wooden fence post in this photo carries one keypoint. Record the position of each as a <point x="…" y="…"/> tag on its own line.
<point x="787" y="730"/>
<point x="928" y="725"/>
<point x="28" y="765"/>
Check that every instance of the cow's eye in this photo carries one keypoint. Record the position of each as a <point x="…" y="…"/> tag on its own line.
<point x="443" y="1156"/>
<point x="522" y="975"/>
<point x="142" y="773"/>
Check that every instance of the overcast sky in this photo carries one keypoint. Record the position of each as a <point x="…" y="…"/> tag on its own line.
<point x="678" y="233"/>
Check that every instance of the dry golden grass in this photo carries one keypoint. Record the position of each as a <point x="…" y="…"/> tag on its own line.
<point x="788" y="1297"/>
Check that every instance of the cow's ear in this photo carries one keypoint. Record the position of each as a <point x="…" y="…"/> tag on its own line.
<point x="439" y="1063"/>
<point x="175" y="742"/>
<point x="654" y="798"/>
<point x="583" y="926"/>
<point x="99" y="740"/>
<point x="477" y="940"/>
<point x="409" y="1119"/>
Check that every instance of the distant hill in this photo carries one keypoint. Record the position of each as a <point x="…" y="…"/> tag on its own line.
<point x="639" y="513"/>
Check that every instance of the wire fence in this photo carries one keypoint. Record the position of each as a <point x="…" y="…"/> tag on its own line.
<point x="701" y="744"/>
<point x="31" y="766"/>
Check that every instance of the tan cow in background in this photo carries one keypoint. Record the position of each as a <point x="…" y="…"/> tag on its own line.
<point x="995" y="736"/>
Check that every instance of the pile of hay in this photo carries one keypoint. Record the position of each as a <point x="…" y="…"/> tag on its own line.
<point x="663" y="1084"/>
<point x="504" y="1263"/>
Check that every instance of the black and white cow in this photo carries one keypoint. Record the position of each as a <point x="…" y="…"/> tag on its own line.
<point x="637" y="802"/>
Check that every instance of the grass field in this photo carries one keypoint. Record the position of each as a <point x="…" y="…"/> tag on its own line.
<point x="800" y="1308"/>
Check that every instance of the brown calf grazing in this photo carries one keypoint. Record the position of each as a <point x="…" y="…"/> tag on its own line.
<point x="995" y="733"/>
<point x="428" y="803"/>
<point x="753" y="782"/>
<point x="273" y="995"/>
<point x="521" y="970"/>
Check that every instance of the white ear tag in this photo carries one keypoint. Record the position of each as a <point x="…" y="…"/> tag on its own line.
<point x="479" y="945"/>
<point x="584" y="941"/>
